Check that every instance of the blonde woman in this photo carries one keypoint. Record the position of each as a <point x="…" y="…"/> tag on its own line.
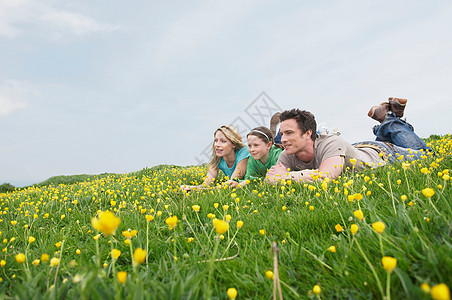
<point x="229" y="154"/>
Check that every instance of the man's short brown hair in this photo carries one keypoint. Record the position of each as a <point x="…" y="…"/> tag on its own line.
<point x="305" y="120"/>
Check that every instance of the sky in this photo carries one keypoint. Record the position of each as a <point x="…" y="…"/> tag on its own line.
<point x="88" y="87"/>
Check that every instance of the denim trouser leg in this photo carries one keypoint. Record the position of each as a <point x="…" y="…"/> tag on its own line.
<point x="393" y="152"/>
<point x="277" y="138"/>
<point x="399" y="133"/>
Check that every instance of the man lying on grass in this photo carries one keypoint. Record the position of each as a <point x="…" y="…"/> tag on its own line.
<point x="307" y="155"/>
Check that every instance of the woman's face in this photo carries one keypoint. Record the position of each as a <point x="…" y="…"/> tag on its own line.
<point x="223" y="146"/>
<point x="258" y="148"/>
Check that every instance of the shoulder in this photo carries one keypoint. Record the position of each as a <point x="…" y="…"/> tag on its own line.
<point x="285" y="158"/>
<point x="242" y="153"/>
<point x="275" y="152"/>
<point x="330" y="145"/>
<point x="275" y="149"/>
<point x="325" y="140"/>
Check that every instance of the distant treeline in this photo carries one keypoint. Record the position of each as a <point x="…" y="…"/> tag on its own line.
<point x="72" y="179"/>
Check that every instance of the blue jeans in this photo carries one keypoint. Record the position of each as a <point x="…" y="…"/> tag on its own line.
<point x="277" y="138"/>
<point x="397" y="137"/>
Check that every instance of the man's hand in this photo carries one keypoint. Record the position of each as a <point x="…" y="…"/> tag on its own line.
<point x="278" y="171"/>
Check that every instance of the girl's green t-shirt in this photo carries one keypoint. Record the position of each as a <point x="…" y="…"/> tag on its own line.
<point x="256" y="169"/>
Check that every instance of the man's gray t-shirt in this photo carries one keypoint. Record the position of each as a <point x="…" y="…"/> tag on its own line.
<point x="326" y="146"/>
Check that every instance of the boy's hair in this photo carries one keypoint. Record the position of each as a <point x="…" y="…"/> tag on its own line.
<point x="305" y="120"/>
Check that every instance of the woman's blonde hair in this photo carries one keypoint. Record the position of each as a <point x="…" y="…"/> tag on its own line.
<point x="233" y="135"/>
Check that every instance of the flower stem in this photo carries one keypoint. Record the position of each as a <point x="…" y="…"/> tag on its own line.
<point x="203" y="228"/>
<point x="97" y="254"/>
<point x="131" y="256"/>
<point x="392" y="195"/>
<point x="230" y="242"/>
<point x="196" y="236"/>
<point x="380" y="288"/>
<point x="381" y="245"/>
<point x="211" y="266"/>
<point x="147" y="244"/>
<point x="388" y="286"/>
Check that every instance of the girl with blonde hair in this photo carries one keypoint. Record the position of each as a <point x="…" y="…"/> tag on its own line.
<point x="229" y="154"/>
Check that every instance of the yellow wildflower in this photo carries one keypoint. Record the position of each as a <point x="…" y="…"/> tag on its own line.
<point x="389" y="263"/>
<point x="232" y="293"/>
<point x="354" y="228"/>
<point x="358" y="196"/>
<point x="20" y="258"/>
<point x="54" y="262"/>
<point x="379" y="227"/>
<point x="171" y="222"/>
<point x="269" y="275"/>
<point x="425" y="287"/>
<point x="440" y="292"/>
<point x="139" y="256"/>
<point x="239" y="224"/>
<point x="44" y="257"/>
<point x="359" y="214"/>
<point x="220" y="226"/>
<point x="428" y="192"/>
<point x="316" y="289"/>
<point x="115" y="253"/>
<point x="35" y="262"/>
<point x="122" y="277"/>
<point x="106" y="222"/>
<point x="129" y="233"/>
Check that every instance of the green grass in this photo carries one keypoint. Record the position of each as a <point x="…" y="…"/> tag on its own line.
<point x="417" y="234"/>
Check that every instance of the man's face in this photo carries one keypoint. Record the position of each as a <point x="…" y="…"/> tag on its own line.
<point x="291" y="137"/>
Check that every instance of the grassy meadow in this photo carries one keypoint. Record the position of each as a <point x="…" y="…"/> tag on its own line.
<point x="383" y="233"/>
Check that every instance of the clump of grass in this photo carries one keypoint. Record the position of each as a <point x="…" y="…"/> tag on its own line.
<point x="311" y="225"/>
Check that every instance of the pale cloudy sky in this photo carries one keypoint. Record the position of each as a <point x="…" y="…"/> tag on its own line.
<point x="88" y="87"/>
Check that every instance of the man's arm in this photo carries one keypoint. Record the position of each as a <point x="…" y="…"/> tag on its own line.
<point x="277" y="172"/>
<point x="332" y="166"/>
